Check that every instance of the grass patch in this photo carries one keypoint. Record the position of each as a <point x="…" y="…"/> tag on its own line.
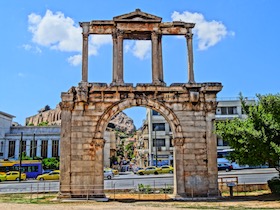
<point x="252" y="193"/>
<point x="28" y="198"/>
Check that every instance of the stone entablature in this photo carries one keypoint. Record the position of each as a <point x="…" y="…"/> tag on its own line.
<point x="137" y="25"/>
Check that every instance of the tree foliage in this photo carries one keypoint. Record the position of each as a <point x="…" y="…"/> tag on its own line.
<point x="255" y="139"/>
<point x="50" y="163"/>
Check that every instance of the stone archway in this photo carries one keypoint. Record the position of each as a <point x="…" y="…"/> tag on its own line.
<point x="189" y="108"/>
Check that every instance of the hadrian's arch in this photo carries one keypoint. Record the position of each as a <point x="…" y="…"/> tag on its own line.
<point x="188" y="107"/>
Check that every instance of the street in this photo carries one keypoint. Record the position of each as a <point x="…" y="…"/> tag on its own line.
<point x="131" y="181"/>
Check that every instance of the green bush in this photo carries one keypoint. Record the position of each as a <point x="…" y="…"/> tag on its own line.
<point x="274" y="185"/>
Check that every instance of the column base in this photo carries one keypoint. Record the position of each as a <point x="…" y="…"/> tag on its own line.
<point x="122" y="84"/>
<point x="158" y="83"/>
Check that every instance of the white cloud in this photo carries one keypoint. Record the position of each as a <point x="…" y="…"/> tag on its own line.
<point x="75" y="60"/>
<point x="96" y="41"/>
<point x="57" y="32"/>
<point x="29" y="47"/>
<point x="208" y="33"/>
<point x="140" y="49"/>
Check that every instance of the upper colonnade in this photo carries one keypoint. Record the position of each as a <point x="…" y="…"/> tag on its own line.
<point x="137" y="25"/>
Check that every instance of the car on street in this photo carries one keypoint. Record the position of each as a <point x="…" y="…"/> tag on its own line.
<point x="14" y="176"/>
<point x="166" y="169"/>
<point x="115" y="171"/>
<point x="3" y="177"/>
<point x="47" y="171"/>
<point x="135" y="169"/>
<point x="108" y="174"/>
<point x="53" y="175"/>
<point x="149" y="170"/>
<point x="224" y="166"/>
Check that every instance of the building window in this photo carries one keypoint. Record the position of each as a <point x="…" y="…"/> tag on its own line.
<point x="170" y="141"/>
<point x="44" y="149"/>
<point x="33" y="148"/>
<point x="160" y="143"/>
<point x="12" y="147"/>
<point x="55" y="146"/>
<point x="221" y="142"/>
<point x="155" y="113"/>
<point x="228" y="110"/>
<point x="23" y="146"/>
<point x="159" y="126"/>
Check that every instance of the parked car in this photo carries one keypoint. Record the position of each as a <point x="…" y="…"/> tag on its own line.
<point x="47" y="171"/>
<point x="135" y="169"/>
<point x="53" y="175"/>
<point x="3" y="177"/>
<point x="149" y="170"/>
<point x="166" y="169"/>
<point x="14" y="175"/>
<point x="224" y="166"/>
<point x="115" y="171"/>
<point x="108" y="174"/>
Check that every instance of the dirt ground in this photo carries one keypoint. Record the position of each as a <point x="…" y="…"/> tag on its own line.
<point x="241" y="202"/>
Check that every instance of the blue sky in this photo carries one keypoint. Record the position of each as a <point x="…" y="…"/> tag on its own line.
<point x="236" y="42"/>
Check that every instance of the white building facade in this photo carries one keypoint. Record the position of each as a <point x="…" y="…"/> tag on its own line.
<point x="158" y="128"/>
<point x="38" y="141"/>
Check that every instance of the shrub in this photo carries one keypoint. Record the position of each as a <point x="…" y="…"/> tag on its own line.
<point x="274" y="185"/>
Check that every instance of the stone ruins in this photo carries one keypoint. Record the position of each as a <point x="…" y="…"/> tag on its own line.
<point x="188" y="107"/>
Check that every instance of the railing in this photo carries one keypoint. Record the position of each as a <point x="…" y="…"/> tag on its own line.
<point x="156" y="189"/>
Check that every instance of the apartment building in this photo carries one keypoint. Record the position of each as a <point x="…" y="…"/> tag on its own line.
<point x="156" y="137"/>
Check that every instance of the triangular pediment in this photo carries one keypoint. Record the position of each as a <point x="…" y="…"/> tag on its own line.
<point x="137" y="16"/>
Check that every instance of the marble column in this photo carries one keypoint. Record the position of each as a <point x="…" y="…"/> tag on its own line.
<point x="39" y="145"/>
<point x="160" y="58"/>
<point x="189" y="36"/>
<point x="17" y="149"/>
<point x="98" y="188"/>
<point x="155" y="59"/>
<point x="211" y="141"/>
<point x="119" y="74"/>
<point x="85" y="26"/>
<point x="178" y="161"/>
<point x="49" y="148"/>
<point x="28" y="148"/>
<point x="115" y="56"/>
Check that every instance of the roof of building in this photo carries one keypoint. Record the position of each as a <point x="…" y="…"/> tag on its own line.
<point x="6" y="114"/>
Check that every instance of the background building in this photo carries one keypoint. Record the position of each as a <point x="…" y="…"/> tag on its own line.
<point x="155" y="141"/>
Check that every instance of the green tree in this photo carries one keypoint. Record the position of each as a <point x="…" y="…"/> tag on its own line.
<point x="44" y="123"/>
<point x="255" y="139"/>
<point x="129" y="148"/>
<point x="50" y="163"/>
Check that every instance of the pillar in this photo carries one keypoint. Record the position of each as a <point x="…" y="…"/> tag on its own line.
<point x="65" y="143"/>
<point x="115" y="56"/>
<point x="28" y="148"/>
<point x="160" y="58"/>
<point x="119" y="74"/>
<point x="85" y="26"/>
<point x="39" y="146"/>
<point x="49" y="155"/>
<point x="17" y="149"/>
<point x="155" y="59"/>
<point x="99" y="171"/>
<point x="189" y="36"/>
<point x="211" y="142"/>
<point x="178" y="161"/>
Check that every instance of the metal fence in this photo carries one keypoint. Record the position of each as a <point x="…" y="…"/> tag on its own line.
<point x="155" y="189"/>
